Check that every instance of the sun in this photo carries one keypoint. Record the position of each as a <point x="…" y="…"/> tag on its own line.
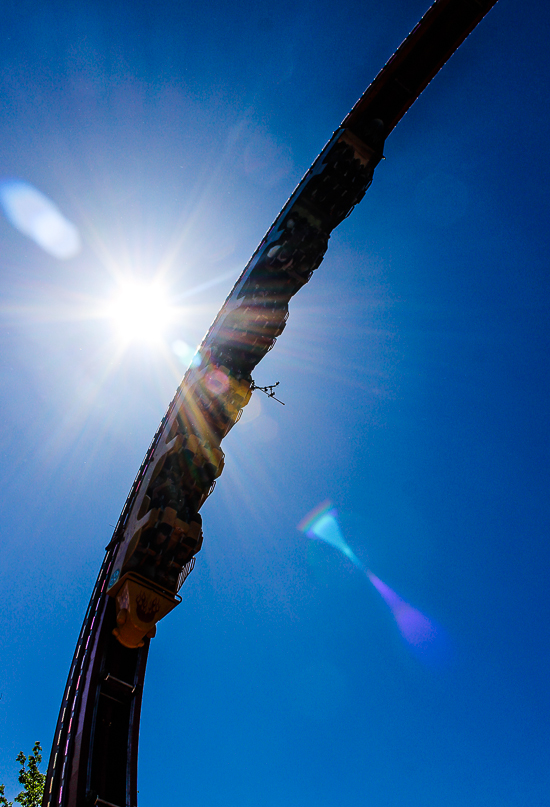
<point x="140" y="312"/>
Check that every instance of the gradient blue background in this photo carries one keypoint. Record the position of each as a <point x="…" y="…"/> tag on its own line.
<point x="414" y="369"/>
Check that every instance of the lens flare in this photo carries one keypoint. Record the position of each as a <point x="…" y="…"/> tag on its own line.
<point x="217" y="382"/>
<point x="414" y="626"/>
<point x="322" y="524"/>
<point x="36" y="216"/>
<point x="185" y="353"/>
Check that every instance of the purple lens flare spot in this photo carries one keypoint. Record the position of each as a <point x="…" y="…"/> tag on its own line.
<point x="416" y="628"/>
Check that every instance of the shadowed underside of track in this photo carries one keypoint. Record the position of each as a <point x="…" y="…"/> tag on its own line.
<point x="94" y="753"/>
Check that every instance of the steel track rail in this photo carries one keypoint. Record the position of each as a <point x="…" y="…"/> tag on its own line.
<point x="94" y="753"/>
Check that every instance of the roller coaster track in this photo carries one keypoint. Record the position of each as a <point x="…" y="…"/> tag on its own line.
<point x="94" y="753"/>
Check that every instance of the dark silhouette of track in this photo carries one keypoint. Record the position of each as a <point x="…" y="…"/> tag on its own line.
<point x="94" y="754"/>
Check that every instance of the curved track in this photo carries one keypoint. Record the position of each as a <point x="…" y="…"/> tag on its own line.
<point x="94" y="753"/>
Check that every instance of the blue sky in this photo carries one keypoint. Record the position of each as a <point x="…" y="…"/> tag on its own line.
<point x="414" y="371"/>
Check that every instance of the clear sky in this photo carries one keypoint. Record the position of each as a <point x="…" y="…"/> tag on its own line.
<point x="414" y="369"/>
